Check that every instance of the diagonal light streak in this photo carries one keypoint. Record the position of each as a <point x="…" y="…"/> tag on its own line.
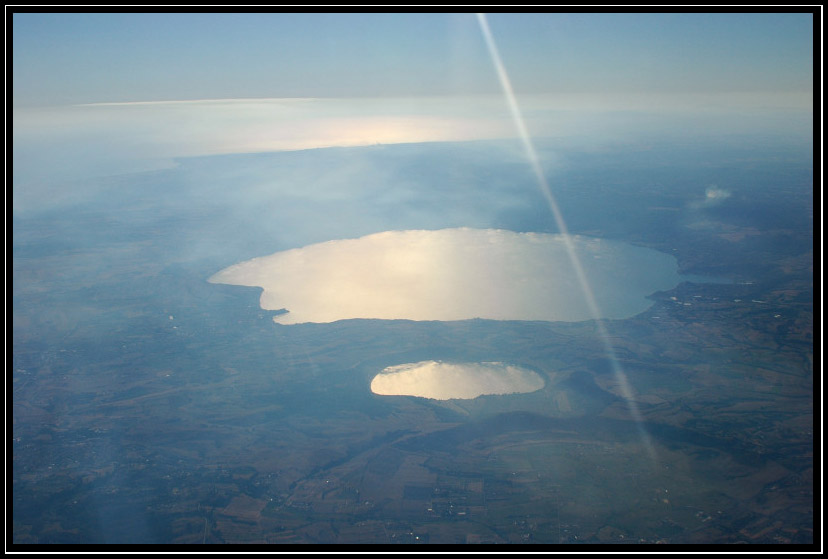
<point x="534" y="160"/>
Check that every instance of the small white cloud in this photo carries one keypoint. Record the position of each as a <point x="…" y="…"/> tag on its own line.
<point x="714" y="194"/>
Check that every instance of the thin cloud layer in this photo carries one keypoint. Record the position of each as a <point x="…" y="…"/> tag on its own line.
<point x="445" y="381"/>
<point x="453" y="274"/>
<point x="54" y="145"/>
<point x="57" y="145"/>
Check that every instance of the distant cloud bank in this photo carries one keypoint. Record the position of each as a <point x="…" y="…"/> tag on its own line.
<point x="454" y="274"/>
<point x="445" y="381"/>
<point x="53" y="145"/>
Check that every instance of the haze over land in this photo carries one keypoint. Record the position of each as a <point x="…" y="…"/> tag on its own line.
<point x="372" y="167"/>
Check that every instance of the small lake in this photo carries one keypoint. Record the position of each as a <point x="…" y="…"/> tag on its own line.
<point x="446" y="381"/>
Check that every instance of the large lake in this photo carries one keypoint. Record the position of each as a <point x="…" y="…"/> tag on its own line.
<point x="456" y="274"/>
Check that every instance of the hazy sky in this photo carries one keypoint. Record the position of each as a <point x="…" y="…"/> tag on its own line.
<point x="92" y="58"/>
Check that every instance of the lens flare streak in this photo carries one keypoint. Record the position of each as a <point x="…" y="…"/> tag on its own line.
<point x="534" y="160"/>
